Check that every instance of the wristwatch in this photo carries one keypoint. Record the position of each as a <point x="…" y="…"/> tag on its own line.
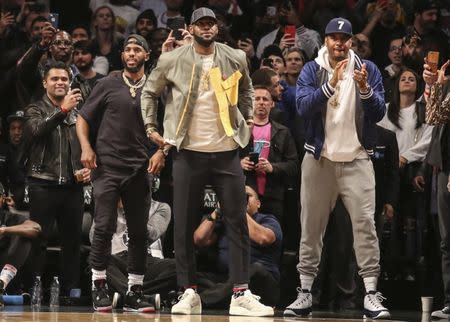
<point x="165" y="150"/>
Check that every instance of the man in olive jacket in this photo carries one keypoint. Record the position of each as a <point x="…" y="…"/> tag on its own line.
<point x="207" y="117"/>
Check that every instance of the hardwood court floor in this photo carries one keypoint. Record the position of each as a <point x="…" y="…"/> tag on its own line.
<point x="83" y="314"/>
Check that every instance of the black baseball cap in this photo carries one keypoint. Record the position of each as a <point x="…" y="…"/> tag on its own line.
<point x="138" y="40"/>
<point x="202" y="12"/>
<point x="18" y="115"/>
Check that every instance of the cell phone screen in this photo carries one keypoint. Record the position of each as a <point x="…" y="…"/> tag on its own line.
<point x="290" y="30"/>
<point x="433" y="60"/>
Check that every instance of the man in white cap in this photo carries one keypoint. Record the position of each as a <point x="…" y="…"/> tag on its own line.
<point x="208" y="114"/>
<point x="340" y="98"/>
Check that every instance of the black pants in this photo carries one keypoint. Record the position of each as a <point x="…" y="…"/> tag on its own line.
<point x="63" y="204"/>
<point x="191" y="172"/>
<point x="17" y="252"/>
<point x="133" y="188"/>
<point x="160" y="274"/>
<point x="443" y="203"/>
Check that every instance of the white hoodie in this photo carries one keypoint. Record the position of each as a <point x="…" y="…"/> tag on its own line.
<point x="341" y="139"/>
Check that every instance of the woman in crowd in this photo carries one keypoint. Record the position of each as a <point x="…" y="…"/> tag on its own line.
<point x="107" y="42"/>
<point x="405" y="117"/>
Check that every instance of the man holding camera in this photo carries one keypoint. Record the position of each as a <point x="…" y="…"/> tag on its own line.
<point x="54" y="171"/>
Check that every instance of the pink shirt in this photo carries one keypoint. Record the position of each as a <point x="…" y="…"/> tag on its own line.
<point x="261" y="144"/>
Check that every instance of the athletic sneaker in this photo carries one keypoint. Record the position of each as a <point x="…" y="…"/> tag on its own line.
<point x="373" y="309"/>
<point x="248" y="304"/>
<point x="302" y="306"/>
<point x="135" y="301"/>
<point x="442" y="314"/>
<point x="101" y="300"/>
<point x="188" y="303"/>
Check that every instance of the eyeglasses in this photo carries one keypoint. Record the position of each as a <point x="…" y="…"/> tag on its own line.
<point x="66" y="43"/>
<point x="395" y="48"/>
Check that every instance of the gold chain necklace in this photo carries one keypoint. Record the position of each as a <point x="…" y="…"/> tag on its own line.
<point x="132" y="87"/>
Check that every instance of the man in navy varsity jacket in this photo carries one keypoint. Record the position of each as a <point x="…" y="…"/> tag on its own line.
<point x="341" y="98"/>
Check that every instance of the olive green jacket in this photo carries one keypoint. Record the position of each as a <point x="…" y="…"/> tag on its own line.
<point x="180" y="70"/>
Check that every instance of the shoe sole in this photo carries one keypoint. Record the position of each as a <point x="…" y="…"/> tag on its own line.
<point x="304" y="313"/>
<point x="141" y="310"/>
<point x="103" y="308"/>
<point x="186" y="312"/>
<point x="381" y="315"/>
<point x="244" y="312"/>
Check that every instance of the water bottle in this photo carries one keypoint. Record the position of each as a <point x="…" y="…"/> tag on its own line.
<point x="54" y="293"/>
<point x="36" y="294"/>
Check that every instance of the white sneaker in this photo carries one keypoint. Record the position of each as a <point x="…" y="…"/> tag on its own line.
<point x="302" y="306"/>
<point x="249" y="305"/>
<point x="188" y="303"/>
<point x="442" y="314"/>
<point x="373" y="309"/>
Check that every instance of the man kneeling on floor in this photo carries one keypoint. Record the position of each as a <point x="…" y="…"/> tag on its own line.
<point x="265" y="252"/>
<point x="16" y="232"/>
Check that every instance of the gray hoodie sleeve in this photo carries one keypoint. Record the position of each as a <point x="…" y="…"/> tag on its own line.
<point x="158" y="220"/>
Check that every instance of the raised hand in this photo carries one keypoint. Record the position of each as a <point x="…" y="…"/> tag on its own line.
<point x="360" y="77"/>
<point x="339" y="70"/>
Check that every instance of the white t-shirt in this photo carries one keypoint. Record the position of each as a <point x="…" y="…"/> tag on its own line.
<point x="206" y="132"/>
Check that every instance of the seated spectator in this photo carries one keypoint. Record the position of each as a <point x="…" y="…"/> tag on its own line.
<point x="107" y="41"/>
<point x="277" y="163"/>
<point x="272" y="57"/>
<point x="265" y="251"/>
<point x="83" y="59"/>
<point x="16" y="232"/>
<point x="145" y="23"/>
<point x="385" y="19"/>
<point x="160" y="273"/>
<point x="306" y="39"/>
<point x="426" y="26"/>
<point x="362" y="46"/>
<point x="405" y="117"/>
<point x="157" y="39"/>
<point x="174" y="8"/>
<point x="30" y="67"/>
<point x="295" y="59"/>
<point x="17" y="170"/>
<point x="125" y="14"/>
<point x="390" y="72"/>
<point x="81" y="32"/>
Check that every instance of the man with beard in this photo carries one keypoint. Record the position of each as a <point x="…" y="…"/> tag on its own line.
<point x="207" y="117"/>
<point x="119" y="157"/>
<point x="145" y="23"/>
<point x="340" y="98"/>
<point x="83" y="59"/>
<point x="425" y="27"/>
<point x="54" y="46"/>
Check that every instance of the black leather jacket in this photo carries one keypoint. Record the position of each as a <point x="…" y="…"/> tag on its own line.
<point x="52" y="148"/>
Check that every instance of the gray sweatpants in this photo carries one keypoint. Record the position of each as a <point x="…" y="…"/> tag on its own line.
<point x="322" y="183"/>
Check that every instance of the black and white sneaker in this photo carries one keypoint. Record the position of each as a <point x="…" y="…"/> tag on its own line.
<point x="442" y="314"/>
<point x="101" y="300"/>
<point x="373" y="309"/>
<point x="302" y="306"/>
<point x="135" y="301"/>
